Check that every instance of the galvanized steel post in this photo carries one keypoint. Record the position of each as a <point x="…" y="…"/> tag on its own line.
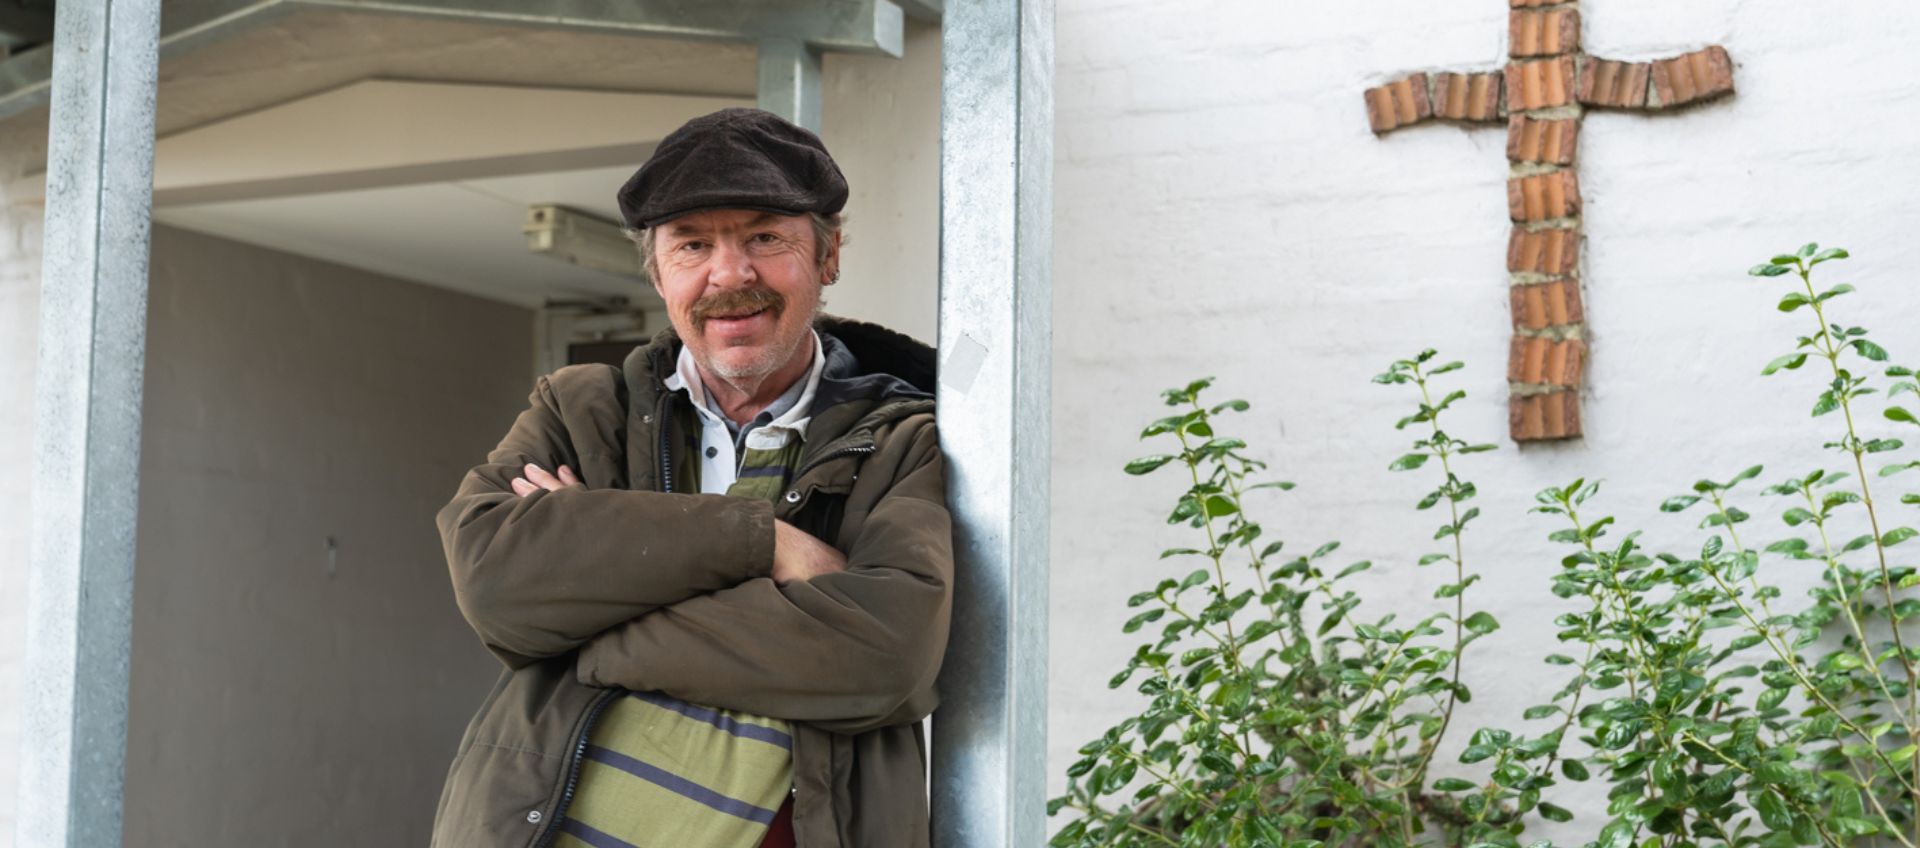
<point x="996" y="211"/>
<point x="790" y="81"/>
<point x="93" y="314"/>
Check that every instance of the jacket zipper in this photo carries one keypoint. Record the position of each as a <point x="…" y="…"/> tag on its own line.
<point x="661" y="431"/>
<point x="833" y="454"/>
<point x="552" y="830"/>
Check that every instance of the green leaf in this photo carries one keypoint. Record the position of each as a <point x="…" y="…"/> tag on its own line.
<point x="1807" y="250"/>
<point x="1147" y="464"/>
<point x="1858" y="542"/>
<point x="1574" y="770"/>
<point x="1353" y="569"/>
<point x="1219" y="505"/>
<point x="1828" y="402"/>
<point x="1898" y="535"/>
<point x="1143" y="619"/>
<point x="1454" y="784"/>
<point x="1554" y="813"/>
<point x="1481" y="623"/>
<point x="1235" y="405"/>
<point x="1164" y="425"/>
<point x="1870" y="350"/>
<point x="1323" y="550"/>
<point x="1768" y="270"/>
<point x="1900" y="413"/>
<point x="1792" y="301"/>
<point x="1829" y="253"/>
<point x="1679" y="503"/>
<point x="1408" y="462"/>
<point x="1788" y="362"/>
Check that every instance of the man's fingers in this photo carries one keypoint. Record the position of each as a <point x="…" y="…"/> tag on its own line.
<point x="567" y="478"/>
<point x="523" y="488"/>
<point x="541" y="478"/>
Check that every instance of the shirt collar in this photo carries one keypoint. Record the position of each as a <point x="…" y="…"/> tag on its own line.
<point x="686" y="376"/>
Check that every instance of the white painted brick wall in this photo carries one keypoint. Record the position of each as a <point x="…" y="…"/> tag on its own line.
<point x="1222" y="209"/>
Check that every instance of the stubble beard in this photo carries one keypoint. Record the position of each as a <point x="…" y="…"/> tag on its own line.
<point x="746" y="376"/>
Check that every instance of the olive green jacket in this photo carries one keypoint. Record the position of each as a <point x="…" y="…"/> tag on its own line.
<point x="623" y="583"/>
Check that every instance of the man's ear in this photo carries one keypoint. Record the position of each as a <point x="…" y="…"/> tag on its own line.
<point x="830" y="262"/>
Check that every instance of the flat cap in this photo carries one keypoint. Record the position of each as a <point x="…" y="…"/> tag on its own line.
<point x="734" y="159"/>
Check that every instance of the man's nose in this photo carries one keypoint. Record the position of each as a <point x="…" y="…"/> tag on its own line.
<point x="731" y="266"/>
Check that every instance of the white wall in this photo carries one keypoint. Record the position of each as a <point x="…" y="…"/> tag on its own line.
<point x="19" y="320"/>
<point x="1222" y="209"/>
<point x="880" y="118"/>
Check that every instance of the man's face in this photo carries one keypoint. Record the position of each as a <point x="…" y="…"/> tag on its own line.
<point x="741" y="288"/>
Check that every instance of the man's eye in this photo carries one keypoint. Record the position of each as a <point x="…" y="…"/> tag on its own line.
<point x="765" y="238"/>
<point x="692" y="245"/>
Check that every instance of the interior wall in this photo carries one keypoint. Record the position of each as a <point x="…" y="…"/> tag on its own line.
<point x="19" y="322"/>
<point x="880" y="118"/>
<point x="300" y="673"/>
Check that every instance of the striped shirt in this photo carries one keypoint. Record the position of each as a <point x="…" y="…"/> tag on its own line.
<point x="663" y="773"/>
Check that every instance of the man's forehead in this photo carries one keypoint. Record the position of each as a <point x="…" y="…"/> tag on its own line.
<point x="700" y="222"/>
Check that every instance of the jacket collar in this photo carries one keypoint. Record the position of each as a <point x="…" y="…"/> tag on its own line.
<point x="872" y="375"/>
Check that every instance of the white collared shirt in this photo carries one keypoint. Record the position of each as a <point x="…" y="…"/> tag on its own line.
<point x="719" y="460"/>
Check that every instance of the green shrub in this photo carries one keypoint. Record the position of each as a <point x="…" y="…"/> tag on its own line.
<point x="1718" y="714"/>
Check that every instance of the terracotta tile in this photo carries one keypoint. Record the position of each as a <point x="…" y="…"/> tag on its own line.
<point x="1553" y="251"/>
<point x="1527" y="360"/>
<point x="1539" y="84"/>
<point x="1550" y="32"/>
<point x="1467" y="97"/>
<point x="1555" y="194"/>
<point x="1398" y="104"/>
<point x="1554" y="415"/>
<point x="1616" y="85"/>
<point x="1523" y="419"/>
<point x="1535" y="140"/>
<point x="1543" y="305"/>
<point x="1694" y="77"/>
<point x="1560" y="415"/>
<point x="1565" y="362"/>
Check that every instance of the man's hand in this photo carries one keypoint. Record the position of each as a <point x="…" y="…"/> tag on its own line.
<point x="537" y="478"/>
<point x="796" y="554"/>
<point x="799" y="556"/>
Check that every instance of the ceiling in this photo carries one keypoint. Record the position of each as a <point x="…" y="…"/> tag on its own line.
<point x="409" y="146"/>
<point x="426" y="181"/>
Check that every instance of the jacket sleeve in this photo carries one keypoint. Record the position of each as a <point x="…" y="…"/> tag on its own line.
<point x="849" y="651"/>
<point x="538" y="576"/>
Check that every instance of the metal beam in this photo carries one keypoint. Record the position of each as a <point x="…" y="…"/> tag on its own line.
<point x="850" y="26"/>
<point x="923" y="10"/>
<point x="790" y="81"/>
<point x="93" y="318"/>
<point x="996" y="184"/>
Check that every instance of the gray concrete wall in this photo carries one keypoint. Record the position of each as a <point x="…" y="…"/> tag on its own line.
<point x="300" y="673"/>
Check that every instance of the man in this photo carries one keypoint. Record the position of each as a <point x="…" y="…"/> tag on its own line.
<point x="719" y="576"/>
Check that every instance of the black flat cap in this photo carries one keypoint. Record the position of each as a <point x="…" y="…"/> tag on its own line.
<point x="734" y="159"/>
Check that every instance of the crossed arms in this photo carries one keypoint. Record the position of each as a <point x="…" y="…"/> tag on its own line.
<point x="703" y="597"/>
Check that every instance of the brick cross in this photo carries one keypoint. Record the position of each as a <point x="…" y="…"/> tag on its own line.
<point x="1541" y="95"/>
